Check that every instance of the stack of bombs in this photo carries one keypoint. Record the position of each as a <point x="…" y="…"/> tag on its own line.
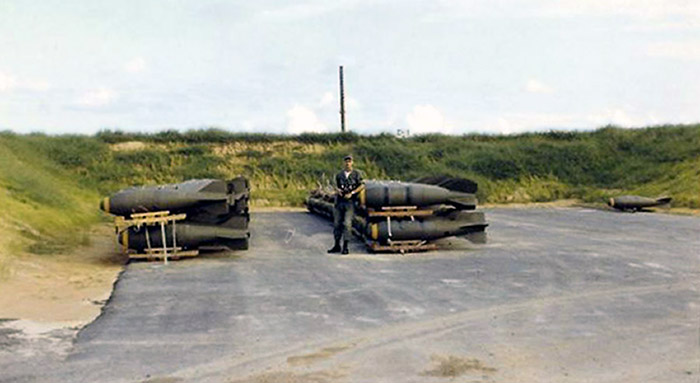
<point x="216" y="213"/>
<point x="433" y="208"/>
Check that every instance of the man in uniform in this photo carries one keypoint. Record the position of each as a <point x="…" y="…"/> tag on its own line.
<point x="348" y="184"/>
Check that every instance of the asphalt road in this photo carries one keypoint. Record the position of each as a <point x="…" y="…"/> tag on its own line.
<point x="557" y="295"/>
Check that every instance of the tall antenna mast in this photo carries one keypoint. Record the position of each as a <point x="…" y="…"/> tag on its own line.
<point x="342" y="102"/>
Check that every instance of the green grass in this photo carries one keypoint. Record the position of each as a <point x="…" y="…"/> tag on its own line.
<point x="50" y="185"/>
<point x="44" y="209"/>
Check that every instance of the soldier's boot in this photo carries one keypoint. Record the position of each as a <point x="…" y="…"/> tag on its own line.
<point x="335" y="248"/>
<point x="345" y="248"/>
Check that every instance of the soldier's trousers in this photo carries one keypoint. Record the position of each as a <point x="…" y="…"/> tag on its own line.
<point x="342" y="220"/>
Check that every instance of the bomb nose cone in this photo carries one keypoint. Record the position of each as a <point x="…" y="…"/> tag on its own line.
<point x="104" y="205"/>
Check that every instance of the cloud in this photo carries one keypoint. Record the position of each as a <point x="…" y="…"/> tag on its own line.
<point x="426" y="119"/>
<point x="639" y="9"/>
<point x="36" y="85"/>
<point x="301" y="119"/>
<point x="622" y="117"/>
<point x="514" y="123"/>
<point x="671" y="25"/>
<point x="10" y="83"/>
<point x="307" y="9"/>
<point x="522" y="122"/>
<point x="327" y="99"/>
<point x="7" y="82"/>
<point x="97" y="98"/>
<point x="135" y="65"/>
<point x="351" y="104"/>
<point x="536" y="86"/>
<point x="657" y="14"/>
<point x="248" y="126"/>
<point x="684" y="50"/>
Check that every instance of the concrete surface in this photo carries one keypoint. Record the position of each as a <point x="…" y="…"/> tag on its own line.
<point x="558" y="295"/>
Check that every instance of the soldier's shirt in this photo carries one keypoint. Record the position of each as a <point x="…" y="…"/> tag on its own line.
<point x="349" y="182"/>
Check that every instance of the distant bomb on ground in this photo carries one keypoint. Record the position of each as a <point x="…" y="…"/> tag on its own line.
<point x="636" y="203"/>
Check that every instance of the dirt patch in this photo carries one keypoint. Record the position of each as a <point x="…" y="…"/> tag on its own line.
<point x="128" y="146"/>
<point x="251" y="149"/>
<point x="307" y="359"/>
<point x="30" y="338"/>
<point x="679" y="211"/>
<point x="323" y="376"/>
<point x="454" y="366"/>
<point x="557" y="203"/>
<point x="62" y="288"/>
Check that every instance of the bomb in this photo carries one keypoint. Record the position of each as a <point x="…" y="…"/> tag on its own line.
<point x="188" y="236"/>
<point x="208" y="197"/>
<point x="320" y="206"/>
<point x="435" y="227"/>
<point x="636" y="203"/>
<point x="378" y="194"/>
<point x="209" y="212"/>
<point x="391" y="212"/>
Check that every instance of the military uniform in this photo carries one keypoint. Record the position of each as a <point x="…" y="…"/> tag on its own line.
<point x="344" y="208"/>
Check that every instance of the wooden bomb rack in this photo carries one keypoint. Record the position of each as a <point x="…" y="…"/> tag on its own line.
<point x="399" y="246"/>
<point x="157" y="218"/>
<point x="399" y="211"/>
<point x="402" y="247"/>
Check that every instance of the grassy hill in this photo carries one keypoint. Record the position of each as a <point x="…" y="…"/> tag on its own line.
<point x="50" y="185"/>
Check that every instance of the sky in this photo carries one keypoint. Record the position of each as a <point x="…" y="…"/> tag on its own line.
<point x="455" y="67"/>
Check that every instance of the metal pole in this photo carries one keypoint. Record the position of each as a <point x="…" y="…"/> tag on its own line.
<point x="342" y="102"/>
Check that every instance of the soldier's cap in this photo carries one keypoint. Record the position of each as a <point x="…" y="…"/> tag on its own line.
<point x="348" y="157"/>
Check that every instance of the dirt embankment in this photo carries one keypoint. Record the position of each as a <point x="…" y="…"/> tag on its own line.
<point x="65" y="290"/>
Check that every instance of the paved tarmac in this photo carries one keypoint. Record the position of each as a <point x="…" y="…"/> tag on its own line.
<point x="557" y="295"/>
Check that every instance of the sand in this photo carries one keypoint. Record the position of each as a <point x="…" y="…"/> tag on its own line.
<point x="63" y="290"/>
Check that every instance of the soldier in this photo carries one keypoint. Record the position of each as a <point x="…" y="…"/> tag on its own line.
<point x="349" y="184"/>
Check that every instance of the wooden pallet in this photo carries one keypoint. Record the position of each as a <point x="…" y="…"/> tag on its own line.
<point x="399" y="211"/>
<point x="401" y="246"/>
<point x="154" y="218"/>
<point x="157" y="254"/>
<point x="406" y="213"/>
<point x="157" y="218"/>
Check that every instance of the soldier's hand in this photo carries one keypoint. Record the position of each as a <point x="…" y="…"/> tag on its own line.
<point x="347" y="195"/>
